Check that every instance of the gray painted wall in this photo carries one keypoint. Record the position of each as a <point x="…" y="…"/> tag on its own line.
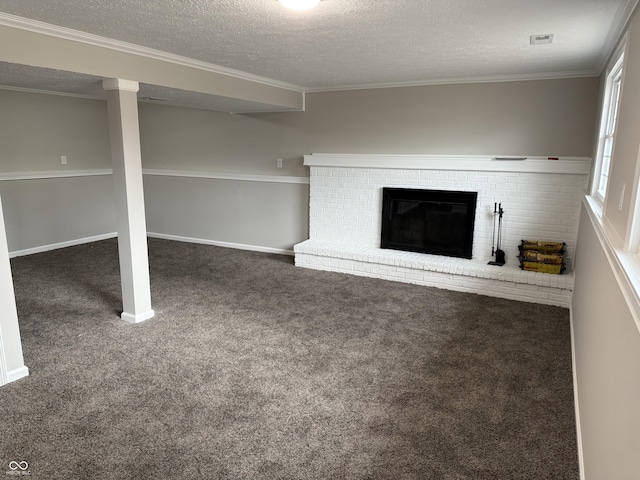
<point x="606" y="335"/>
<point x="37" y="129"/>
<point x="607" y="359"/>
<point x="176" y="138"/>
<point x="545" y="118"/>
<point x="550" y="117"/>
<point x="554" y="117"/>
<point x="43" y="212"/>
<point x="246" y="213"/>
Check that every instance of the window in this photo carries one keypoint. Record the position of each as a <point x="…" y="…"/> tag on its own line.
<point x="608" y="129"/>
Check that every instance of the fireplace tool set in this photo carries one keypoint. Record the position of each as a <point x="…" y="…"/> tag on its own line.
<point x="495" y="246"/>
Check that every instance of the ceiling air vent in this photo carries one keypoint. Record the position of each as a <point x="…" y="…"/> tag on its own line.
<point x="541" y="39"/>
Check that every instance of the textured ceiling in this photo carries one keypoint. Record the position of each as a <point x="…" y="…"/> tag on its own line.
<point x="348" y="43"/>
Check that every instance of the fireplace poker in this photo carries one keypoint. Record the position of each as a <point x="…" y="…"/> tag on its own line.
<point x="498" y="252"/>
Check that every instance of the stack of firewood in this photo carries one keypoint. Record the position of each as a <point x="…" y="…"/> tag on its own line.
<point x="546" y="257"/>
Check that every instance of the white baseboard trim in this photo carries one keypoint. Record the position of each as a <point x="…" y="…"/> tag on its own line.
<point x="575" y="397"/>
<point x="17" y="374"/>
<point x="137" y="318"/>
<point x="55" y="246"/>
<point x="177" y="238"/>
<point x="238" y="246"/>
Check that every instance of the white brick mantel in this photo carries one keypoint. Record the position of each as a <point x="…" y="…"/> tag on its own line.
<point x="541" y="198"/>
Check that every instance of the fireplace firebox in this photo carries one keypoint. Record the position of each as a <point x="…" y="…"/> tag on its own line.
<point x="438" y="222"/>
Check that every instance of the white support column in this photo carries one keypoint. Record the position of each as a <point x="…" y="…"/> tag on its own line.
<point x="11" y="359"/>
<point x="122" y="105"/>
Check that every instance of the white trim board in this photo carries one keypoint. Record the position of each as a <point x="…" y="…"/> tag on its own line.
<point x="138" y="318"/>
<point x="177" y="238"/>
<point x="624" y="267"/>
<point x="498" y="163"/>
<point x="55" y="246"/>
<point x="17" y="374"/>
<point x="459" y="80"/>
<point x="616" y="32"/>
<point x="575" y="395"/>
<point x="3" y="363"/>
<point x="248" y="177"/>
<point x="204" y="241"/>
<point x="54" y="174"/>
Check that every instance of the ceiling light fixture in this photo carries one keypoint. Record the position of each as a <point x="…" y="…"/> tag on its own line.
<point x="299" y="4"/>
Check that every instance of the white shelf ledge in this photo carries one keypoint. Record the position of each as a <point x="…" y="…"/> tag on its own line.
<point x="497" y="163"/>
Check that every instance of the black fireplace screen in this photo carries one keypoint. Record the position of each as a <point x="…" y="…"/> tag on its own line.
<point x="428" y="221"/>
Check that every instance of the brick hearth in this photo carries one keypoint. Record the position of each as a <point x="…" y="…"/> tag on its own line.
<point x="541" y="199"/>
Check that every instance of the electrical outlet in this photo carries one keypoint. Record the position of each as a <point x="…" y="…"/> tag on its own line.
<point x="279" y="163"/>
<point x="63" y="159"/>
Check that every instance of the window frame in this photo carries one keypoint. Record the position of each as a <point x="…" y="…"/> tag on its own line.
<point x="608" y="128"/>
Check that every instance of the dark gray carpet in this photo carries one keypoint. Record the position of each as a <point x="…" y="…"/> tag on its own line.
<point x="255" y="369"/>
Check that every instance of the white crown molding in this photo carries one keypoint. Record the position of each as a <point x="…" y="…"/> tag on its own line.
<point x="42" y="28"/>
<point x="616" y="33"/>
<point x="50" y="92"/>
<point x="566" y="165"/>
<point x="460" y="80"/>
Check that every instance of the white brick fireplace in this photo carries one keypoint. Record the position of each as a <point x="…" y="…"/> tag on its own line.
<point x="541" y="198"/>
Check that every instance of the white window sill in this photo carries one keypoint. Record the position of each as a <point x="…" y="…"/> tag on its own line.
<point x="625" y="265"/>
<point x="595" y="206"/>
